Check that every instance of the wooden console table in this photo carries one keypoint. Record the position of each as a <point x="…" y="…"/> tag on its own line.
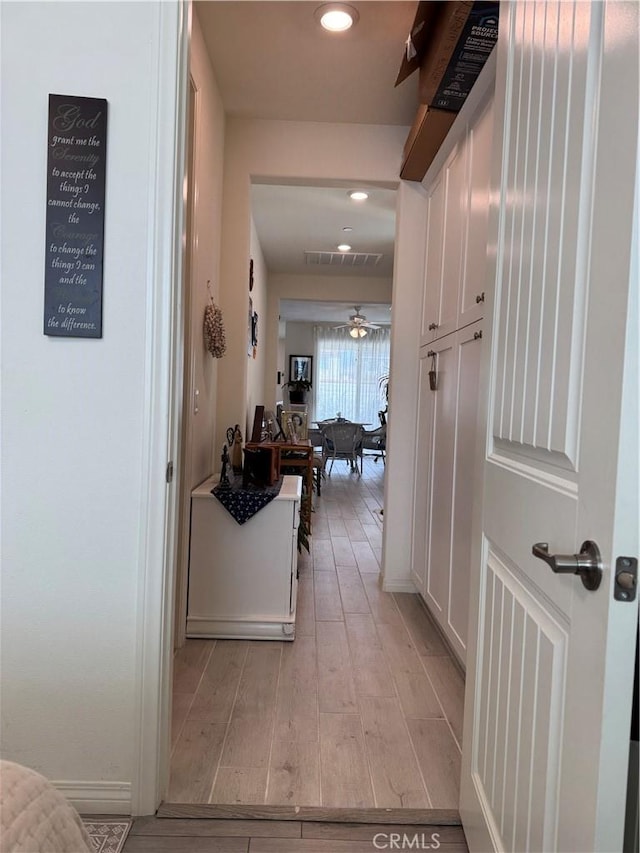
<point x="291" y="455"/>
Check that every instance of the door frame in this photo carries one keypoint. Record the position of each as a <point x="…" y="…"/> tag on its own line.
<point x="163" y="428"/>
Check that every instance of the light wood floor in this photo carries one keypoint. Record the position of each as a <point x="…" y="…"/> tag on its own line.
<point x="363" y="709"/>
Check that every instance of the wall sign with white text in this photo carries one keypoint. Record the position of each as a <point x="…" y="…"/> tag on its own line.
<point x="76" y="169"/>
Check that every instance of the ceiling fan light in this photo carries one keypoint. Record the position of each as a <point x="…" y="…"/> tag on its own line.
<point x="358" y="332"/>
<point x="336" y="17"/>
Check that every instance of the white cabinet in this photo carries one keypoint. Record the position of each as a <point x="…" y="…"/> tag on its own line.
<point x="456" y="244"/>
<point x="472" y="280"/>
<point x="453" y="305"/>
<point x="243" y="578"/>
<point x="444" y="483"/>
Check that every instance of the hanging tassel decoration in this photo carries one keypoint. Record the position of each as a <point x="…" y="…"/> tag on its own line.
<point x="214" y="328"/>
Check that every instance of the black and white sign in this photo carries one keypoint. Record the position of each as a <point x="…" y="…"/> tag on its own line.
<point x="76" y="167"/>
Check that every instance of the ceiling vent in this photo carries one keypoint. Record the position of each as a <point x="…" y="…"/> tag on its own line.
<point x="342" y="259"/>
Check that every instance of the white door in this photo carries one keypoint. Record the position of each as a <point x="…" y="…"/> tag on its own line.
<point x="550" y="664"/>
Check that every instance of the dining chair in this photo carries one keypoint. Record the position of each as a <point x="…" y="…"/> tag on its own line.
<point x="376" y="440"/>
<point x="343" y="441"/>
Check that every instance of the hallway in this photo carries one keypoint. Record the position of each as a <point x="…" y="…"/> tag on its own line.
<point x="363" y="709"/>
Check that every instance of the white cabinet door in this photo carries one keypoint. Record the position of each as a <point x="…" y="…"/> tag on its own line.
<point x="443" y="414"/>
<point x="468" y="349"/>
<point x="422" y="488"/>
<point x="472" y="284"/>
<point x="433" y="263"/>
<point x="455" y="237"/>
<point x="444" y="483"/>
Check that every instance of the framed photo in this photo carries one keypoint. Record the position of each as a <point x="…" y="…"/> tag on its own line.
<point x="258" y="418"/>
<point x="301" y="367"/>
<point x="295" y="426"/>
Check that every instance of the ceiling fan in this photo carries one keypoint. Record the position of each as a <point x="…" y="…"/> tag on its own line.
<point x="358" y="324"/>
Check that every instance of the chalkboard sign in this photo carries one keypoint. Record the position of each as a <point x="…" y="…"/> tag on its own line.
<point x="76" y="168"/>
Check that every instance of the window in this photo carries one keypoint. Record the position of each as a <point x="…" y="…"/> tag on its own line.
<point x="348" y="373"/>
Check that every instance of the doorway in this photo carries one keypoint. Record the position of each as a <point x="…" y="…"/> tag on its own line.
<point x="363" y="710"/>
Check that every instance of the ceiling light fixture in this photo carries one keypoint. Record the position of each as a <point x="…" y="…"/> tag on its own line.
<point x="336" y="17"/>
<point x="347" y="228"/>
<point x="358" y="332"/>
<point x="358" y="195"/>
<point x="344" y="247"/>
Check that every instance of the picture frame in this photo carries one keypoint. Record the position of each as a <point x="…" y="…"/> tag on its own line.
<point x="258" y="418"/>
<point x="295" y="426"/>
<point x="301" y="367"/>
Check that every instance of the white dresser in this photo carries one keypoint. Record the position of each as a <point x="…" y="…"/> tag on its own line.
<point x="243" y="578"/>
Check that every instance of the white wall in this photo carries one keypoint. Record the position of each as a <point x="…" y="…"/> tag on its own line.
<point x="207" y="222"/>
<point x="298" y="341"/>
<point x="201" y="277"/>
<point x="408" y="284"/>
<point x="75" y="413"/>
<point x="256" y="361"/>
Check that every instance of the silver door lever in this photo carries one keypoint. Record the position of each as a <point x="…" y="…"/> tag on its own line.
<point x="587" y="563"/>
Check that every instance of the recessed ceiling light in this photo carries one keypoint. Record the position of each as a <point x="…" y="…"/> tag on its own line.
<point x="336" y="17"/>
<point x="358" y="195"/>
<point x="347" y="228"/>
<point x="344" y="247"/>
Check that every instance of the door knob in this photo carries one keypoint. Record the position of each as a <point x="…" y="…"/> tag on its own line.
<point x="587" y="563"/>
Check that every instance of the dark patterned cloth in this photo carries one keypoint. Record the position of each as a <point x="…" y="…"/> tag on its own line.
<point x="242" y="503"/>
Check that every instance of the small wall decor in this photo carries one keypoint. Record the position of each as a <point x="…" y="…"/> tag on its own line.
<point x="300" y="368"/>
<point x="250" y="275"/>
<point x="76" y="173"/>
<point x="214" y="336"/>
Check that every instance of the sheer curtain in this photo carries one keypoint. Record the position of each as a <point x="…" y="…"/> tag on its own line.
<point x="347" y="373"/>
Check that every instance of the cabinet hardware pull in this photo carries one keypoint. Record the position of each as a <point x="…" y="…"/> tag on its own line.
<point x="433" y="376"/>
<point x="477" y="335"/>
<point x="432" y="326"/>
<point x="480" y="298"/>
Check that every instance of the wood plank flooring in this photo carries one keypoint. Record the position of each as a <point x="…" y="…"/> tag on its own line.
<point x="179" y="835"/>
<point x="362" y="710"/>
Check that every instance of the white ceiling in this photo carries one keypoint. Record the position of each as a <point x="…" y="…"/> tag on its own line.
<point x="293" y="220"/>
<point x="273" y="61"/>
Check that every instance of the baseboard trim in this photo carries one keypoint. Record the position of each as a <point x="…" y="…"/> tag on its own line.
<point x="427" y="817"/>
<point x="406" y="585"/>
<point x="240" y="629"/>
<point x="97" y="797"/>
<point x="455" y="657"/>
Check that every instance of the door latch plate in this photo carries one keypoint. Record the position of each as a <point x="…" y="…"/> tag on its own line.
<point x="626" y="579"/>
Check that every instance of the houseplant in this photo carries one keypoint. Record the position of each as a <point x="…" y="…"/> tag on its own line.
<point x="297" y="389"/>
